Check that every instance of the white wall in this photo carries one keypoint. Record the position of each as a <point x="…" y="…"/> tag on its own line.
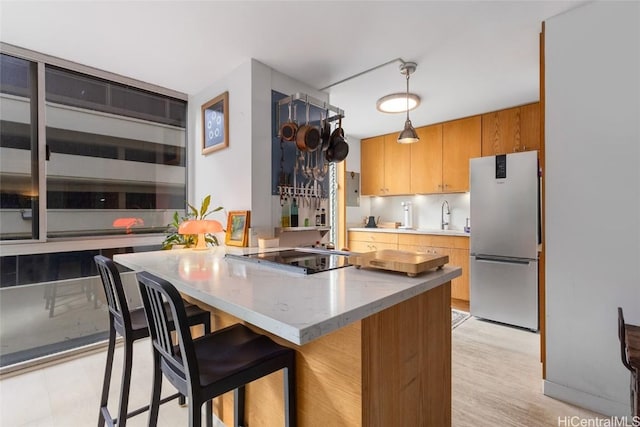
<point x="239" y="177"/>
<point x="224" y="174"/>
<point x="592" y="201"/>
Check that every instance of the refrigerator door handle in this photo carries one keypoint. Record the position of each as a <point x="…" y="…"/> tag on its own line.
<point x="501" y="260"/>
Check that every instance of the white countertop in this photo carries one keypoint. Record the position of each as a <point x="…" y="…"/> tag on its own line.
<point x="413" y="231"/>
<point x="296" y="307"/>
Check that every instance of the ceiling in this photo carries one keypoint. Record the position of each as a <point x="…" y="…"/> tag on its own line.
<point x="472" y="56"/>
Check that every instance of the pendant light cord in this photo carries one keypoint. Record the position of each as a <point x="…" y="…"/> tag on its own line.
<point x="408" y="95"/>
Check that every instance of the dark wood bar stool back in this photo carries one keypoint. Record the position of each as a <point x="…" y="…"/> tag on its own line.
<point x="132" y="326"/>
<point x="629" y="336"/>
<point x="209" y="366"/>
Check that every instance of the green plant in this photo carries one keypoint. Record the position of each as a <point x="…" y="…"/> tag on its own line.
<point x="188" y="240"/>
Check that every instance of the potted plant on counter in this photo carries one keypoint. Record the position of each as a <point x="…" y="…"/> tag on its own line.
<point x="176" y="240"/>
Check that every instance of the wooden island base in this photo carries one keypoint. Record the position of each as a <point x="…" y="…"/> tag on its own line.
<point x="390" y="369"/>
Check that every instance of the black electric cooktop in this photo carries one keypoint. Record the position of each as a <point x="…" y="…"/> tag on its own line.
<point x="296" y="260"/>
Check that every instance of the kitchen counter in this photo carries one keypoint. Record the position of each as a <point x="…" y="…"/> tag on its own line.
<point x="412" y="231"/>
<point x="373" y="348"/>
<point x="296" y="307"/>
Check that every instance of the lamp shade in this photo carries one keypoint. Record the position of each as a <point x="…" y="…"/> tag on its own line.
<point x="408" y="134"/>
<point x="200" y="227"/>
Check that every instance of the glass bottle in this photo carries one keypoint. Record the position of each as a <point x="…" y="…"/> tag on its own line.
<point x="294" y="214"/>
<point x="318" y="219"/>
<point x="323" y="218"/>
<point x="285" y="213"/>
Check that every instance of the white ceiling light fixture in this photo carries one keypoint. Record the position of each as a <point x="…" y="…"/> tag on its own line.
<point x="408" y="134"/>
<point x="397" y="102"/>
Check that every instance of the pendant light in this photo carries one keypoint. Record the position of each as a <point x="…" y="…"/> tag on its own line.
<point x="408" y="134"/>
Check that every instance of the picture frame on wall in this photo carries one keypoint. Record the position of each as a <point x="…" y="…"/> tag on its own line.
<point x="238" y="223"/>
<point x="215" y="124"/>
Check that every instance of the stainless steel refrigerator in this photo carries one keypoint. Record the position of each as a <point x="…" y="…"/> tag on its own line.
<point x="505" y="234"/>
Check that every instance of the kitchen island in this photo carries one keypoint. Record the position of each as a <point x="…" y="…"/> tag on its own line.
<point x="373" y="348"/>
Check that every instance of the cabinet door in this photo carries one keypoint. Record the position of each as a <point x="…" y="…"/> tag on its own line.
<point x="426" y="161"/>
<point x="372" y="166"/>
<point x="501" y="132"/>
<point x="397" y="171"/>
<point x="461" y="141"/>
<point x="460" y="285"/>
<point x="529" y="127"/>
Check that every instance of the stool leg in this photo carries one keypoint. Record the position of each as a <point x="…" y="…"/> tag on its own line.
<point x="52" y="298"/>
<point x="154" y="406"/>
<point x="238" y="406"/>
<point x="195" y="413"/>
<point x="209" y="413"/>
<point x="107" y="372"/>
<point x="126" y="382"/>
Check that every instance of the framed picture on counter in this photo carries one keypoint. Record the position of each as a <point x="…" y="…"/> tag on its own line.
<point x="238" y="224"/>
<point x="215" y="124"/>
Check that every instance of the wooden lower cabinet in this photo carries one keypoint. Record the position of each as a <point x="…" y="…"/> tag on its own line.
<point x="362" y="241"/>
<point x="456" y="247"/>
<point x="460" y="285"/>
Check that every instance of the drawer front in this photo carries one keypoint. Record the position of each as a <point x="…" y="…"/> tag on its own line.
<point x="373" y="237"/>
<point x="358" y="246"/>
<point x="415" y="239"/>
<point x="458" y="242"/>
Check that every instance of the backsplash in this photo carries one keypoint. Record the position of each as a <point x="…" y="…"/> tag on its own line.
<point x="426" y="210"/>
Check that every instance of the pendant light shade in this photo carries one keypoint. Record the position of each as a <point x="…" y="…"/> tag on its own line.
<point x="408" y="134"/>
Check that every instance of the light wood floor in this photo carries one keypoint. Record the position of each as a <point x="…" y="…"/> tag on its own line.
<point x="496" y="376"/>
<point x="496" y="382"/>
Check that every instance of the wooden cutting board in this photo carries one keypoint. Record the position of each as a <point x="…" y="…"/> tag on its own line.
<point x="412" y="263"/>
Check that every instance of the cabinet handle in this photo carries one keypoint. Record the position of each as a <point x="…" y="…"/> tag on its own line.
<point x="524" y="148"/>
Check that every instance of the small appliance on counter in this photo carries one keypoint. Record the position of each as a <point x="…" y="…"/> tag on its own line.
<point x="407" y="212"/>
<point x="372" y="222"/>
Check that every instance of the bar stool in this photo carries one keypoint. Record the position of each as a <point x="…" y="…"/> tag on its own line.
<point x="211" y="365"/>
<point x="629" y="336"/>
<point x="132" y="326"/>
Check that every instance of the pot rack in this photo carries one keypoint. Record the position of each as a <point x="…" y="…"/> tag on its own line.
<point x="307" y="99"/>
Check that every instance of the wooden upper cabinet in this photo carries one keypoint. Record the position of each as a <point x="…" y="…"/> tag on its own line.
<point x="461" y="141"/>
<point x="372" y="166"/>
<point x="397" y="158"/>
<point x="501" y="131"/>
<point x="530" y="127"/>
<point x="384" y="166"/>
<point x="511" y="130"/>
<point x="426" y="160"/>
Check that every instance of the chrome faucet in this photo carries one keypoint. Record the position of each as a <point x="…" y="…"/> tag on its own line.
<point x="442" y="212"/>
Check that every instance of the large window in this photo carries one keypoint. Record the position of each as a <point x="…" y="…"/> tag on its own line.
<point x="83" y="154"/>
<point x="18" y="149"/>
<point x="114" y="155"/>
